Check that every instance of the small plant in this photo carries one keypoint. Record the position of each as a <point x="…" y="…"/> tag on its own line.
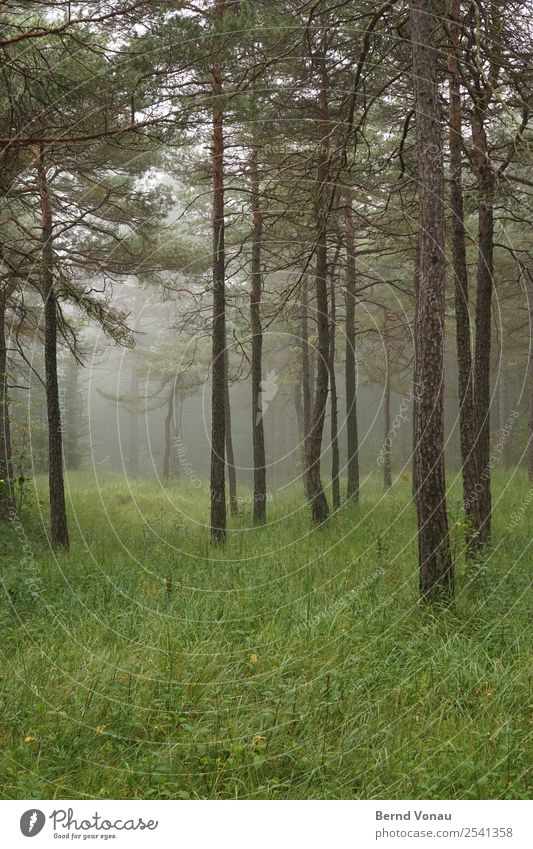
<point x="20" y="584"/>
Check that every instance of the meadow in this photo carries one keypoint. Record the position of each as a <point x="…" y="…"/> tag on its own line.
<point x="292" y="663"/>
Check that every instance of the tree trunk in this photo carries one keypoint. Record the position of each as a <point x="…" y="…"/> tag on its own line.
<point x="218" y="360"/>
<point x="503" y="407"/>
<point x="335" y="461"/>
<point x="416" y="388"/>
<point x="168" y="431"/>
<point x="530" y="420"/>
<point x="299" y="421"/>
<point x="435" y="564"/>
<point x="315" y="490"/>
<point x="485" y="179"/>
<point x="58" y="514"/>
<point x="6" y="469"/>
<point x="307" y="400"/>
<point x="530" y="387"/>
<point x="387" y="473"/>
<point x="72" y="414"/>
<point x="176" y="429"/>
<point x="352" y="436"/>
<point x="133" y="423"/>
<point x="230" y="455"/>
<point x="258" y="433"/>
<point x="467" y="427"/>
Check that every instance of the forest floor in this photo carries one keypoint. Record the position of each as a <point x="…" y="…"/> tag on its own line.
<point x="291" y="663"/>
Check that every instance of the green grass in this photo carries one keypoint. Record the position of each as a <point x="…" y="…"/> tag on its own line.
<point x="291" y="663"/>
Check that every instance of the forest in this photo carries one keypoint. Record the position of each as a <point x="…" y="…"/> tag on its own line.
<point x="266" y="399"/>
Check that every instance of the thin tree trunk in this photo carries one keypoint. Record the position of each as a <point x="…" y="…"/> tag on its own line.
<point x="435" y="564"/>
<point x="72" y="414"/>
<point x="416" y="387"/>
<point x="133" y="450"/>
<point x="315" y="490"/>
<point x="335" y="461"/>
<point x="6" y="469"/>
<point x="352" y="436"/>
<point x="133" y="423"/>
<point x="299" y="421"/>
<point x="218" y="390"/>
<point x="176" y="429"/>
<point x="485" y="180"/>
<point x="258" y="433"/>
<point x="503" y="406"/>
<point x="467" y="426"/>
<point x="306" y="372"/>
<point x="230" y="455"/>
<point x="168" y="431"/>
<point x="387" y="473"/>
<point x="530" y="386"/>
<point x="58" y="513"/>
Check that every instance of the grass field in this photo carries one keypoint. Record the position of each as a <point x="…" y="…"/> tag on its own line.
<point x="292" y="663"/>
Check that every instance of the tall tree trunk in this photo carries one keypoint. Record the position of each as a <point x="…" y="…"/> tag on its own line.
<point x="258" y="433"/>
<point x="230" y="455"/>
<point x="335" y="461"/>
<point x="315" y="490"/>
<point x="436" y="568"/>
<point x="530" y="385"/>
<point x="299" y="422"/>
<point x="176" y="430"/>
<point x="6" y="469"/>
<point x="387" y="473"/>
<point x="503" y="405"/>
<point x="133" y="450"/>
<point x="133" y="423"/>
<point x="307" y="392"/>
<point x="218" y="360"/>
<point x="168" y="431"/>
<point x="58" y="514"/>
<point x="416" y="387"/>
<point x="485" y="180"/>
<point x="72" y="415"/>
<point x="467" y="426"/>
<point x="352" y="435"/>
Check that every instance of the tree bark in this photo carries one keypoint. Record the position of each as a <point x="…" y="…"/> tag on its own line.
<point x="307" y="400"/>
<point x="530" y="385"/>
<point x="258" y="433"/>
<point x="334" y="432"/>
<point x="467" y="426"/>
<point x="387" y="472"/>
<point x="58" y="514"/>
<point x="416" y="388"/>
<point x="352" y="436"/>
<point x="503" y="407"/>
<point x="176" y="430"/>
<point x="435" y="564"/>
<point x="315" y="490"/>
<point x="133" y="424"/>
<point x="230" y="454"/>
<point x="299" y="422"/>
<point x="6" y="469"/>
<point x="72" y="415"/>
<point x="218" y="362"/>
<point x="485" y="179"/>
<point x="168" y="431"/>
